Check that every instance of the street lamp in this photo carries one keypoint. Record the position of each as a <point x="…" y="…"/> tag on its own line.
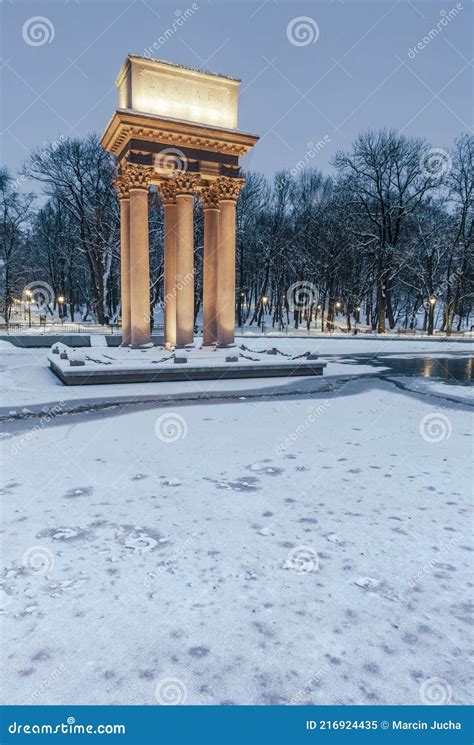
<point x="433" y="300"/>
<point x="61" y="299"/>
<point x="264" y="302"/>
<point x="27" y="303"/>
<point x="241" y="315"/>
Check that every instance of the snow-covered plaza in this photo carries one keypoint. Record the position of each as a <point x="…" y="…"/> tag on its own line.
<point x="286" y="542"/>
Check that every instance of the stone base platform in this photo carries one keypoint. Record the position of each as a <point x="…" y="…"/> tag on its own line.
<point x="94" y="367"/>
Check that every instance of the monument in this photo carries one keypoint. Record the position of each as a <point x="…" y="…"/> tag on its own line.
<point x="176" y="128"/>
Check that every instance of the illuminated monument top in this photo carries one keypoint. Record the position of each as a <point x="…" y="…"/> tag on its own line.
<point x="166" y="89"/>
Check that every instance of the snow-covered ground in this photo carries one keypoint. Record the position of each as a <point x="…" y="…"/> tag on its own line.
<point x="310" y="549"/>
<point x="25" y="378"/>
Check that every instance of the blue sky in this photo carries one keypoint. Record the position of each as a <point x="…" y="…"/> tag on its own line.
<point x="353" y="71"/>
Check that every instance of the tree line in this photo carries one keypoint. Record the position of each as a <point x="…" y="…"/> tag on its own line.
<point x="386" y="241"/>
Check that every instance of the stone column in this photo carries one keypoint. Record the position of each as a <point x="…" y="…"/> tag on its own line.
<point x="138" y="180"/>
<point x="121" y="186"/>
<point x="185" y="186"/>
<point x="210" y="199"/>
<point x="168" y="196"/>
<point x="228" y="189"/>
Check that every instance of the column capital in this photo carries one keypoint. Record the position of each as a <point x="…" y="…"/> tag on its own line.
<point x="229" y="188"/>
<point x="137" y="176"/>
<point x="167" y="191"/>
<point x="209" y="195"/>
<point x="121" y="187"/>
<point x="185" y="183"/>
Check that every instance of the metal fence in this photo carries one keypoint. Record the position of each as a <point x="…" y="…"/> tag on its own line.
<point x="59" y="328"/>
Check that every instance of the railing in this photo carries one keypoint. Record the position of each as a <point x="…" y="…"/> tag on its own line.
<point x="59" y="328"/>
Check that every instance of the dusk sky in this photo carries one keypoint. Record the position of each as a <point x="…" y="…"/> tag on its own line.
<point x="345" y="67"/>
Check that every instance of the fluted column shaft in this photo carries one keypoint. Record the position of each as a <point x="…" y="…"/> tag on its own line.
<point x="125" y="270"/>
<point x="139" y="267"/>
<point x="211" y="251"/>
<point x="124" y="199"/>
<point x="171" y="214"/>
<point x="228" y="193"/>
<point x="184" y="260"/>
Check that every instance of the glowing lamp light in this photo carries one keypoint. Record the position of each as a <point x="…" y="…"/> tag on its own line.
<point x="432" y="300"/>
<point x="61" y="299"/>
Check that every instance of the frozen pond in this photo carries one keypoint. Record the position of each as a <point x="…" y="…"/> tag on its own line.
<point x="453" y="369"/>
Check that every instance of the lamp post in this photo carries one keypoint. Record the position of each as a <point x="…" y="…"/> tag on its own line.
<point x="264" y="303"/>
<point x="432" y="301"/>
<point x="357" y="318"/>
<point x="61" y="299"/>
<point x="29" y="295"/>
<point x="241" y="309"/>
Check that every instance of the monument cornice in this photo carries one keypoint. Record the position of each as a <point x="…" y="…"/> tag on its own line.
<point x="126" y="125"/>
